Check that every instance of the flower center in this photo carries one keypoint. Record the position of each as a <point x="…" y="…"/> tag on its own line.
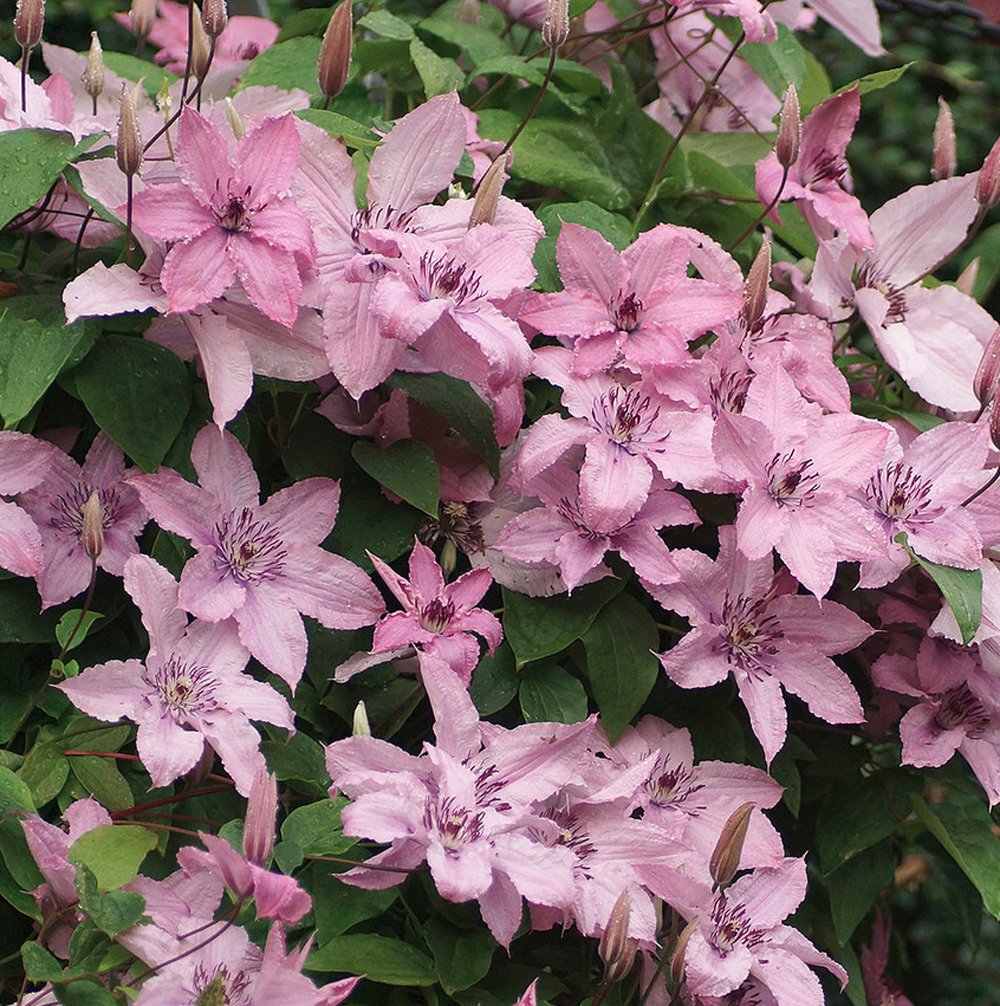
<point x="870" y="277"/>
<point x="897" y="491"/>
<point x="185" y="689"/>
<point x="960" y="708"/>
<point x="729" y="390"/>
<point x="68" y="509"/>
<point x="441" y="277"/>
<point x="670" y="784"/>
<point x="373" y="218"/>
<point x="731" y="927"/>
<point x="751" y="635"/>
<point x="248" y="549"/>
<point x="626" y="416"/>
<point x="790" y="482"/>
<point x="234" y="210"/>
<point x="626" y="309"/>
<point x="222" y="988"/>
<point x="436" y="615"/>
<point x="824" y="172"/>
<point x="454" y="826"/>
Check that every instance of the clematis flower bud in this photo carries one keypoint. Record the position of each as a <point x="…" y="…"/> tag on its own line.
<point x="484" y="206"/>
<point x="92" y="531"/>
<point x="786" y="148"/>
<point x="128" y="148"/>
<point x="995" y="424"/>
<point x="29" y="20"/>
<point x="758" y="280"/>
<point x="966" y="282"/>
<point x="944" y="159"/>
<point x="725" y="858"/>
<point x="214" y="17"/>
<point x="262" y="816"/>
<point x="143" y="17"/>
<point x="677" y="958"/>
<point x="201" y="46"/>
<point x="93" y="76"/>
<point x="361" y="727"/>
<point x="555" y="27"/>
<point x="616" y="948"/>
<point x="335" y="53"/>
<point x="235" y="120"/>
<point x="984" y="384"/>
<point x="988" y="183"/>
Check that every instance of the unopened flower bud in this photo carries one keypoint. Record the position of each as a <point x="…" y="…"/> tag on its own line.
<point x="262" y="816"/>
<point x="361" y="727"/>
<point x="235" y="120"/>
<point x="335" y="53"/>
<point x="616" y="948"/>
<point x="29" y="20"/>
<point x="786" y="148"/>
<point x="677" y="958"/>
<point x="484" y="206"/>
<point x="758" y="281"/>
<point x="984" y="384"/>
<point x="128" y="148"/>
<point x="988" y="183"/>
<point x="555" y="27"/>
<point x="995" y="423"/>
<point x="201" y="46"/>
<point x="966" y="282"/>
<point x="202" y="767"/>
<point x="725" y="858"/>
<point x="143" y="16"/>
<point x="944" y="159"/>
<point x="467" y="11"/>
<point x="92" y="530"/>
<point x="214" y="17"/>
<point x="93" y="76"/>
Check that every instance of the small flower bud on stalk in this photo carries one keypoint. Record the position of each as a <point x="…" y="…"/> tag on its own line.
<point x="555" y="27"/>
<point x="677" y="958"/>
<point x="143" y="17"/>
<point x="786" y="147"/>
<point x="995" y="431"/>
<point x="128" y="153"/>
<point x="29" y="20"/>
<point x="984" y="384"/>
<point x="93" y="76"/>
<point x="725" y="858"/>
<point x="335" y="53"/>
<point x="361" y="727"/>
<point x="92" y="531"/>
<point x="214" y="17"/>
<point x="262" y="816"/>
<point x="988" y="183"/>
<point x="944" y="159"/>
<point x="202" y="48"/>
<point x="235" y="120"/>
<point x="484" y="206"/>
<point x="616" y="948"/>
<point x="758" y="281"/>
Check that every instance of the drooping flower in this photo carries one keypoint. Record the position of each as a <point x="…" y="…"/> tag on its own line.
<point x="230" y="218"/>
<point x="749" y="623"/>
<point x="259" y="564"/>
<point x="190" y="690"/>
<point x="57" y="504"/>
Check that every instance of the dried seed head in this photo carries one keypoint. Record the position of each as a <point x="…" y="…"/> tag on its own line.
<point x="93" y="76"/>
<point x="786" y="148"/>
<point x="725" y="859"/>
<point x="235" y="120"/>
<point x="128" y="149"/>
<point x="214" y="17"/>
<point x="262" y="816"/>
<point x="201" y="46"/>
<point x="92" y="532"/>
<point x="29" y="20"/>
<point x="944" y="159"/>
<point x="484" y="206"/>
<point x="335" y="53"/>
<point x="555" y="27"/>
<point x="988" y="183"/>
<point x="984" y="384"/>
<point x="758" y="281"/>
<point x="361" y="727"/>
<point x="143" y="17"/>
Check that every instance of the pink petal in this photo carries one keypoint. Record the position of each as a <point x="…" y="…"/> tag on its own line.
<point x="178" y="506"/>
<point x="272" y="630"/>
<point x="613" y="485"/>
<point x="110" y="691"/>
<point x="330" y="589"/>
<point x="24" y="462"/>
<point x="819" y="682"/>
<point x="224" y="469"/>
<point x="101" y="291"/>
<point x="238" y="745"/>
<point x="226" y="362"/>
<point x="171" y="213"/>
<point x="166" y="749"/>
<point x="282" y="225"/>
<point x="206" y="592"/>
<point x="154" y="592"/>
<point x="197" y="271"/>
<point x="305" y="512"/>
<point x="20" y="542"/>
<point x="202" y="157"/>
<point x="761" y="694"/>
<point x="269" y="275"/>
<point x="426" y="577"/>
<point x="589" y="263"/>
<point x="266" y="159"/>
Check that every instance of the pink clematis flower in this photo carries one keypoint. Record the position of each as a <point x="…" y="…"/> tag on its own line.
<point x="820" y="177"/>
<point x="259" y="564"/>
<point x="229" y="219"/>
<point x="57" y="508"/>
<point x="189" y="692"/>
<point x="749" y="623"/>
<point x="639" y="305"/>
<point x="24" y="463"/>
<point x="440" y="620"/>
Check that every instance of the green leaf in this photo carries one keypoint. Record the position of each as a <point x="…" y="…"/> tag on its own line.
<point x="778" y="63"/>
<point x="922" y="421"/>
<point x="876" y="81"/>
<point x="456" y="402"/>
<point x="84" y="993"/>
<point x="33" y="159"/>
<point x="621" y="665"/>
<point x="68" y="628"/>
<point x="338" y="906"/>
<point x="36" y="345"/>
<point x="132" y="68"/>
<point x="111" y="912"/>
<point x="476" y="41"/>
<point x="962" y="824"/>
<point x="305" y="22"/>
<point x="438" y="74"/>
<point x="407" y="468"/>
<point x="298" y="758"/>
<point x="22" y="680"/>
<point x="20" y="621"/>
<point x="386" y="25"/>
<point x="138" y="393"/>
<point x="286" y="65"/>
<point x="354" y="134"/>
<point x="855" y="886"/>
<point x="103" y="779"/>
<point x="39" y="964"/>
<point x="380" y="958"/>
<point x="317" y="830"/>
<point x="113" y="853"/>
<point x="550" y="693"/>
<point x="462" y="956"/>
<point x="962" y="589"/>
<point x="45" y="771"/>
<point x="539" y="627"/>
<point x="494" y="681"/>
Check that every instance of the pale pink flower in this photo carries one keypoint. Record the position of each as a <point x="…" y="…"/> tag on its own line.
<point x="189" y="691"/>
<point x="24" y="463"/>
<point x="259" y="564"/>
<point x="749" y="623"/>
<point x="231" y="218"/>
<point x="56" y="505"/>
